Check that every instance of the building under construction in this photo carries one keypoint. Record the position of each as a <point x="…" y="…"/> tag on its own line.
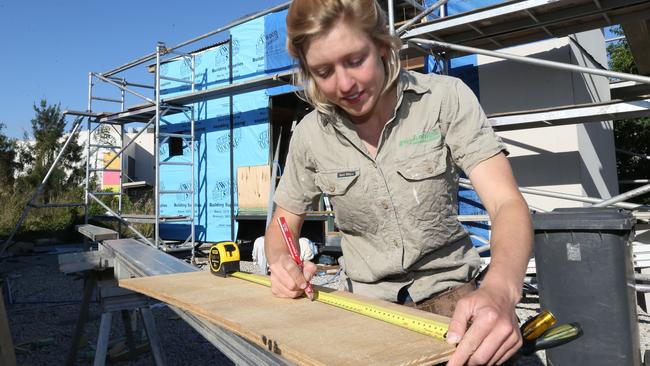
<point x="210" y="133"/>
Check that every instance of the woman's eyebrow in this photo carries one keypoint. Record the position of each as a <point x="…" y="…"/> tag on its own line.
<point x="355" y="53"/>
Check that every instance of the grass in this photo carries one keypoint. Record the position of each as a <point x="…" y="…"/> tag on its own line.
<point x="59" y="223"/>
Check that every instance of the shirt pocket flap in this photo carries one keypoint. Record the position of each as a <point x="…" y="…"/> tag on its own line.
<point x="336" y="182"/>
<point x="424" y="166"/>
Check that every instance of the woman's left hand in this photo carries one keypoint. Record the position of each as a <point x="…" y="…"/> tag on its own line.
<point x="486" y="325"/>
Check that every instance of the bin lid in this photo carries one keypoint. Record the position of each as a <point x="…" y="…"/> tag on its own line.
<point x="584" y="218"/>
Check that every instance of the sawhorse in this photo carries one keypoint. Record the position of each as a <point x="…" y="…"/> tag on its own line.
<point x="98" y="274"/>
<point x="114" y="300"/>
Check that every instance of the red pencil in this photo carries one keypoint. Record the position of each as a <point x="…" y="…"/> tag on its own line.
<point x="288" y="239"/>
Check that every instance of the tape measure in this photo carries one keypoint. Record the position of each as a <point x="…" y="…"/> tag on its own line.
<point x="415" y="323"/>
<point x="224" y="258"/>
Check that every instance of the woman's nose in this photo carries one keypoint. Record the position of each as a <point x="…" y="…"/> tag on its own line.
<point x="344" y="81"/>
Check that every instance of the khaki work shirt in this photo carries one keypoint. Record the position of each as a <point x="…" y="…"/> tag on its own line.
<point x="397" y="212"/>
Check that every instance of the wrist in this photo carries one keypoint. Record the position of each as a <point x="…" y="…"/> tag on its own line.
<point x="509" y="290"/>
<point x="275" y="256"/>
<point x="282" y="257"/>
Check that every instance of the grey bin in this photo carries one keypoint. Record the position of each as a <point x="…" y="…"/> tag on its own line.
<point x="585" y="274"/>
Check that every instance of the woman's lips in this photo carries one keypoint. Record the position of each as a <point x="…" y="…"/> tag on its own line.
<point x="354" y="98"/>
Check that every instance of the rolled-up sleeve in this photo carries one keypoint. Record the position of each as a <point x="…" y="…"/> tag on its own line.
<point x="297" y="191"/>
<point x="467" y="131"/>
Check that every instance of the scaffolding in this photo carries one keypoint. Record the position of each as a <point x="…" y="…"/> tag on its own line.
<point x="156" y="112"/>
<point x="497" y="26"/>
<point x="476" y="32"/>
<point x="501" y="25"/>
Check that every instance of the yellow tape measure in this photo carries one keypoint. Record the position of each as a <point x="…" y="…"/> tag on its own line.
<point x="224" y="258"/>
<point x="415" y="323"/>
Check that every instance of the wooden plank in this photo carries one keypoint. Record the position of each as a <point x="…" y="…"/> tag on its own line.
<point x="303" y="332"/>
<point x="96" y="233"/>
<point x="253" y="184"/>
<point x="7" y="355"/>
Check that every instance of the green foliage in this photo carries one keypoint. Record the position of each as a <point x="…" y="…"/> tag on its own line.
<point x="32" y="160"/>
<point x="12" y="205"/>
<point x="633" y="135"/>
<point x="620" y="55"/>
<point x="48" y="127"/>
<point x="630" y="135"/>
<point x="103" y="135"/>
<point x="142" y="204"/>
<point x="7" y="163"/>
<point x="57" y="219"/>
<point x="41" y="221"/>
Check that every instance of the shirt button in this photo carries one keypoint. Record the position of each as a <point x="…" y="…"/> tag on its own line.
<point x="385" y="205"/>
<point x="430" y="170"/>
<point x="332" y="188"/>
<point x="395" y="243"/>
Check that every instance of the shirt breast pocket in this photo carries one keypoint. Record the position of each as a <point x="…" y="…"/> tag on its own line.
<point x="350" y="199"/>
<point x="426" y="185"/>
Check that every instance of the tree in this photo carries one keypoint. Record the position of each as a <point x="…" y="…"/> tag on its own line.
<point x="48" y="127"/>
<point x="7" y="161"/>
<point x="620" y="55"/>
<point x="631" y="135"/>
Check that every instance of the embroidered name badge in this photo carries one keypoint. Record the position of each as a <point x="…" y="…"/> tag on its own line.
<point x="346" y="174"/>
<point x="421" y="138"/>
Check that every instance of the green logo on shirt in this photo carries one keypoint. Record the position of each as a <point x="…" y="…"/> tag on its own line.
<point x="421" y="138"/>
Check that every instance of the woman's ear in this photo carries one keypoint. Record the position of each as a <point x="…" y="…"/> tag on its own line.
<point x="383" y="51"/>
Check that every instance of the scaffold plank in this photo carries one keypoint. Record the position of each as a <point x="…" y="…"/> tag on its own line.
<point x="145" y="112"/>
<point x="596" y="112"/>
<point x="518" y="22"/>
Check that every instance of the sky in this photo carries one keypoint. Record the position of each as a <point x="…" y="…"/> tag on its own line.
<point x="48" y="47"/>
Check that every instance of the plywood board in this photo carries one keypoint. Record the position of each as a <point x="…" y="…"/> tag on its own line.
<point x="253" y="184"/>
<point x="303" y="332"/>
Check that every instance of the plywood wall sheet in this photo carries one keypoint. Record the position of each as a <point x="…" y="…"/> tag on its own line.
<point x="253" y="184"/>
<point x="303" y="332"/>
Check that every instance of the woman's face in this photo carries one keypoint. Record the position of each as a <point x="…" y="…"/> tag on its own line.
<point x="347" y="68"/>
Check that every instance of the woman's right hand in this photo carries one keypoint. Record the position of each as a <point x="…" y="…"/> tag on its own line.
<point x="287" y="280"/>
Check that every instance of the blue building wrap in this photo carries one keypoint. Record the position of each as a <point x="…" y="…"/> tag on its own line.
<point x="257" y="50"/>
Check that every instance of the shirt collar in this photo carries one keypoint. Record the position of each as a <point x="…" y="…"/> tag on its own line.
<point x="409" y="82"/>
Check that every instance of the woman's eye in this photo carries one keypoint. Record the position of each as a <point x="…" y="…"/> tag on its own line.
<point x="322" y="73"/>
<point x="357" y="61"/>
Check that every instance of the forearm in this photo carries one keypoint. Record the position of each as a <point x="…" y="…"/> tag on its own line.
<point x="484" y="325"/>
<point x="511" y="244"/>
<point x="274" y="245"/>
<point x="287" y="278"/>
<point x="485" y="321"/>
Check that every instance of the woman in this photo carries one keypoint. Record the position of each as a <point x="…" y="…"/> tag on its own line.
<point x="386" y="145"/>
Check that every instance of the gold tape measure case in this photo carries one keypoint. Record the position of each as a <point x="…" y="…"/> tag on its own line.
<point x="224" y="258"/>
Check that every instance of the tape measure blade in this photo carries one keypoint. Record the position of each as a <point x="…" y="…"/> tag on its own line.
<point x="251" y="277"/>
<point x="414" y="323"/>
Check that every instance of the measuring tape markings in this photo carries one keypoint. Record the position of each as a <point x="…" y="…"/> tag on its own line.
<point x="424" y="326"/>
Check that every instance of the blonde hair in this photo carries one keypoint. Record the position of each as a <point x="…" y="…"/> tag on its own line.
<point x="307" y="19"/>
